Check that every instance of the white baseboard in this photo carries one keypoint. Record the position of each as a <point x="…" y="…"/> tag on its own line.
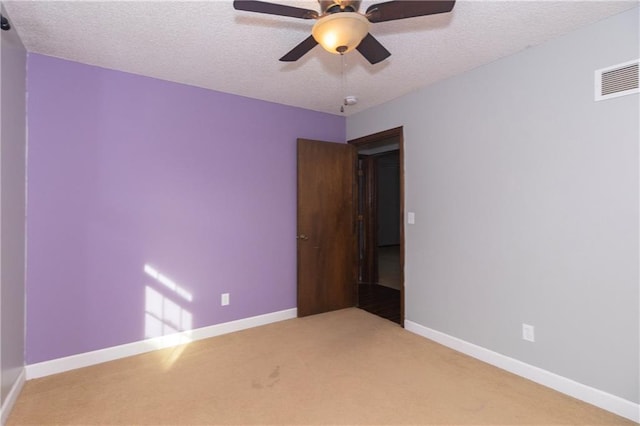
<point x="11" y="398"/>
<point x="86" y="359"/>
<point x="593" y="396"/>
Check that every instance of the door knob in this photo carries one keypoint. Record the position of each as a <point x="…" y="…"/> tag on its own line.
<point x="302" y="237"/>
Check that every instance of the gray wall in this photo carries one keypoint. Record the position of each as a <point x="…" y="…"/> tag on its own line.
<point x="526" y="199"/>
<point x="12" y="208"/>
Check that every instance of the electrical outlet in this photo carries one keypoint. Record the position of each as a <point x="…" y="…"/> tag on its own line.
<point x="224" y="299"/>
<point x="528" y="333"/>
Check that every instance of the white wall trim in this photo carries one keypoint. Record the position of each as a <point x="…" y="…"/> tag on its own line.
<point x="12" y="396"/>
<point x="604" y="400"/>
<point x="86" y="359"/>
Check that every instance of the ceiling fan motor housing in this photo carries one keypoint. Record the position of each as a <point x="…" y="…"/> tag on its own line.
<point x="327" y="6"/>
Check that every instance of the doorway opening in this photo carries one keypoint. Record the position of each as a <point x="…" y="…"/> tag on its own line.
<point x="380" y="194"/>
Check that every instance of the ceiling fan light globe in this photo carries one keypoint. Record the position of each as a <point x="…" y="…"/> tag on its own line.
<point x="340" y="32"/>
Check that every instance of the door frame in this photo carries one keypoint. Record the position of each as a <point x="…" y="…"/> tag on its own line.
<point x="373" y="141"/>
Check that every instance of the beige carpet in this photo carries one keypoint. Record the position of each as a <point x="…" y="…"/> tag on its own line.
<point x="344" y="367"/>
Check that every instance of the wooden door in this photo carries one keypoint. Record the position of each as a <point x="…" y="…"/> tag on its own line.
<point x="326" y="227"/>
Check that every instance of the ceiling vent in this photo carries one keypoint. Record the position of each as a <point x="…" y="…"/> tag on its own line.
<point x="618" y="80"/>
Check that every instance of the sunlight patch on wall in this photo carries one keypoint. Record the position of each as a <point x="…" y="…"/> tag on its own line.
<point x="163" y="316"/>
<point x="167" y="322"/>
<point x="167" y="282"/>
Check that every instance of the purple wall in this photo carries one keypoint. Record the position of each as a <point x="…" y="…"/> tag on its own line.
<point x="126" y="171"/>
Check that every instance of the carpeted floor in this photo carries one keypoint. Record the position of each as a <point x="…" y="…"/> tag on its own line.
<point x="343" y="367"/>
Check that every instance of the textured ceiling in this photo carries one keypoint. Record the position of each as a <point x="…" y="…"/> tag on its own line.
<point x="209" y="44"/>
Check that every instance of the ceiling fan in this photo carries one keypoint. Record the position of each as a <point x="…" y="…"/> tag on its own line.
<point x="340" y="28"/>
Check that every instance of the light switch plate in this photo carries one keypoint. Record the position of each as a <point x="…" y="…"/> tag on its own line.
<point x="411" y="218"/>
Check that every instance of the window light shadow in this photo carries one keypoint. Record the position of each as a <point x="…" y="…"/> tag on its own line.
<point x="167" y="322"/>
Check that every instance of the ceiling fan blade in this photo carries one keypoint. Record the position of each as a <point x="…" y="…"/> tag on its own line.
<point x="300" y="50"/>
<point x="392" y="10"/>
<point x="372" y="50"/>
<point x="274" y="9"/>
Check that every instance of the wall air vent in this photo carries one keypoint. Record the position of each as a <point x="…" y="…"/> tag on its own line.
<point x="618" y="80"/>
